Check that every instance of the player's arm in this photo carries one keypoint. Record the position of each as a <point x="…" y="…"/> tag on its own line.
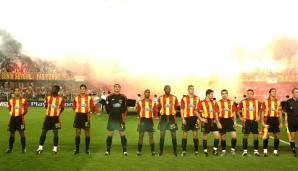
<point x="25" y="107"/>
<point x="62" y="105"/>
<point x="138" y="109"/>
<point x="92" y="106"/>
<point x="124" y="112"/>
<point x="259" y="112"/>
<point x="9" y="106"/>
<point x="182" y="111"/>
<point x="46" y="102"/>
<point x="263" y="114"/>
<point x="234" y="107"/>
<point x="280" y="117"/>
<point x="74" y="104"/>
<point x="107" y="105"/>
<point x="216" y="112"/>
<point x="239" y="110"/>
<point x="199" y="113"/>
<point x="155" y="110"/>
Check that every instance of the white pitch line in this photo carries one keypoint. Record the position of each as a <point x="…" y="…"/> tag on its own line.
<point x="283" y="141"/>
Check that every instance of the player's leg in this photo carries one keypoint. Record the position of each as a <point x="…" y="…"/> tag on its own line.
<point x="151" y="142"/>
<point x="267" y="121"/>
<point x="174" y="141"/>
<point x="109" y="142"/>
<point x="256" y="144"/>
<point x="276" y="143"/>
<point x="123" y="142"/>
<point x="77" y="140"/>
<point x="23" y="140"/>
<point x="11" y="141"/>
<point x="55" y="140"/>
<point x="205" y="137"/>
<point x="223" y="143"/>
<point x="42" y="140"/>
<point x="87" y="140"/>
<point x="195" y="141"/>
<point x="292" y="143"/>
<point x="255" y="132"/>
<point x="233" y="142"/>
<point x="245" y="144"/>
<point x="184" y="142"/>
<point x="161" y="141"/>
<point x="140" y="142"/>
<point x="216" y="137"/>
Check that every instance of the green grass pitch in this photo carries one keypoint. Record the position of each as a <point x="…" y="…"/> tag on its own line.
<point x="65" y="160"/>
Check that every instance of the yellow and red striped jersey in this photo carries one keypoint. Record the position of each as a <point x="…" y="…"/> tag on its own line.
<point x="271" y="108"/>
<point x="83" y="104"/>
<point x="250" y="108"/>
<point x="17" y="106"/>
<point x="146" y="108"/>
<point x="188" y="105"/>
<point x="167" y="104"/>
<point x="225" y="108"/>
<point x="54" y="104"/>
<point x="207" y="109"/>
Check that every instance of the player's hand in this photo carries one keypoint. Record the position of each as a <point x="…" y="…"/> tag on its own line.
<point x="235" y="124"/>
<point x="242" y="119"/>
<point x="219" y="126"/>
<point x="280" y="125"/>
<point x="203" y="120"/>
<point x="183" y="121"/>
<point x="257" y="119"/>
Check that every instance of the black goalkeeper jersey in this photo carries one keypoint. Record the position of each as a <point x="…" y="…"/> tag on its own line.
<point x="116" y="104"/>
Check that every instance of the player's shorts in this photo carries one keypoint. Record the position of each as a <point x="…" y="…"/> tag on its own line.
<point x="227" y="125"/>
<point x="146" y="125"/>
<point x="250" y="126"/>
<point x="16" y="123"/>
<point x="51" y="123"/>
<point x="273" y="123"/>
<point x="293" y="124"/>
<point x="210" y="126"/>
<point x="115" y="125"/>
<point x="82" y="120"/>
<point x="167" y="122"/>
<point x="191" y="124"/>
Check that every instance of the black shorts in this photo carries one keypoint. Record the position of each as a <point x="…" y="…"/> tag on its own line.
<point x="82" y="120"/>
<point x="210" y="126"/>
<point x="51" y="123"/>
<point x="115" y="125"/>
<point x="167" y="122"/>
<point x="191" y="124"/>
<point x="16" y="123"/>
<point x="293" y="124"/>
<point x="227" y="125"/>
<point x="273" y="123"/>
<point x="146" y="125"/>
<point x="250" y="126"/>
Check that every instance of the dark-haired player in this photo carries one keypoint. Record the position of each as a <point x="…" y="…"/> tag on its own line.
<point x="54" y="105"/>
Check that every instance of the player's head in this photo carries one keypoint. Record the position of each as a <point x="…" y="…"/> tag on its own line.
<point x="250" y="93"/>
<point x="167" y="89"/>
<point x="17" y="92"/>
<point x="147" y="93"/>
<point x="272" y="92"/>
<point x="224" y="93"/>
<point x="209" y="94"/>
<point x="191" y="89"/>
<point x="117" y="88"/>
<point x="83" y="89"/>
<point x="55" y="90"/>
<point x="295" y="93"/>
